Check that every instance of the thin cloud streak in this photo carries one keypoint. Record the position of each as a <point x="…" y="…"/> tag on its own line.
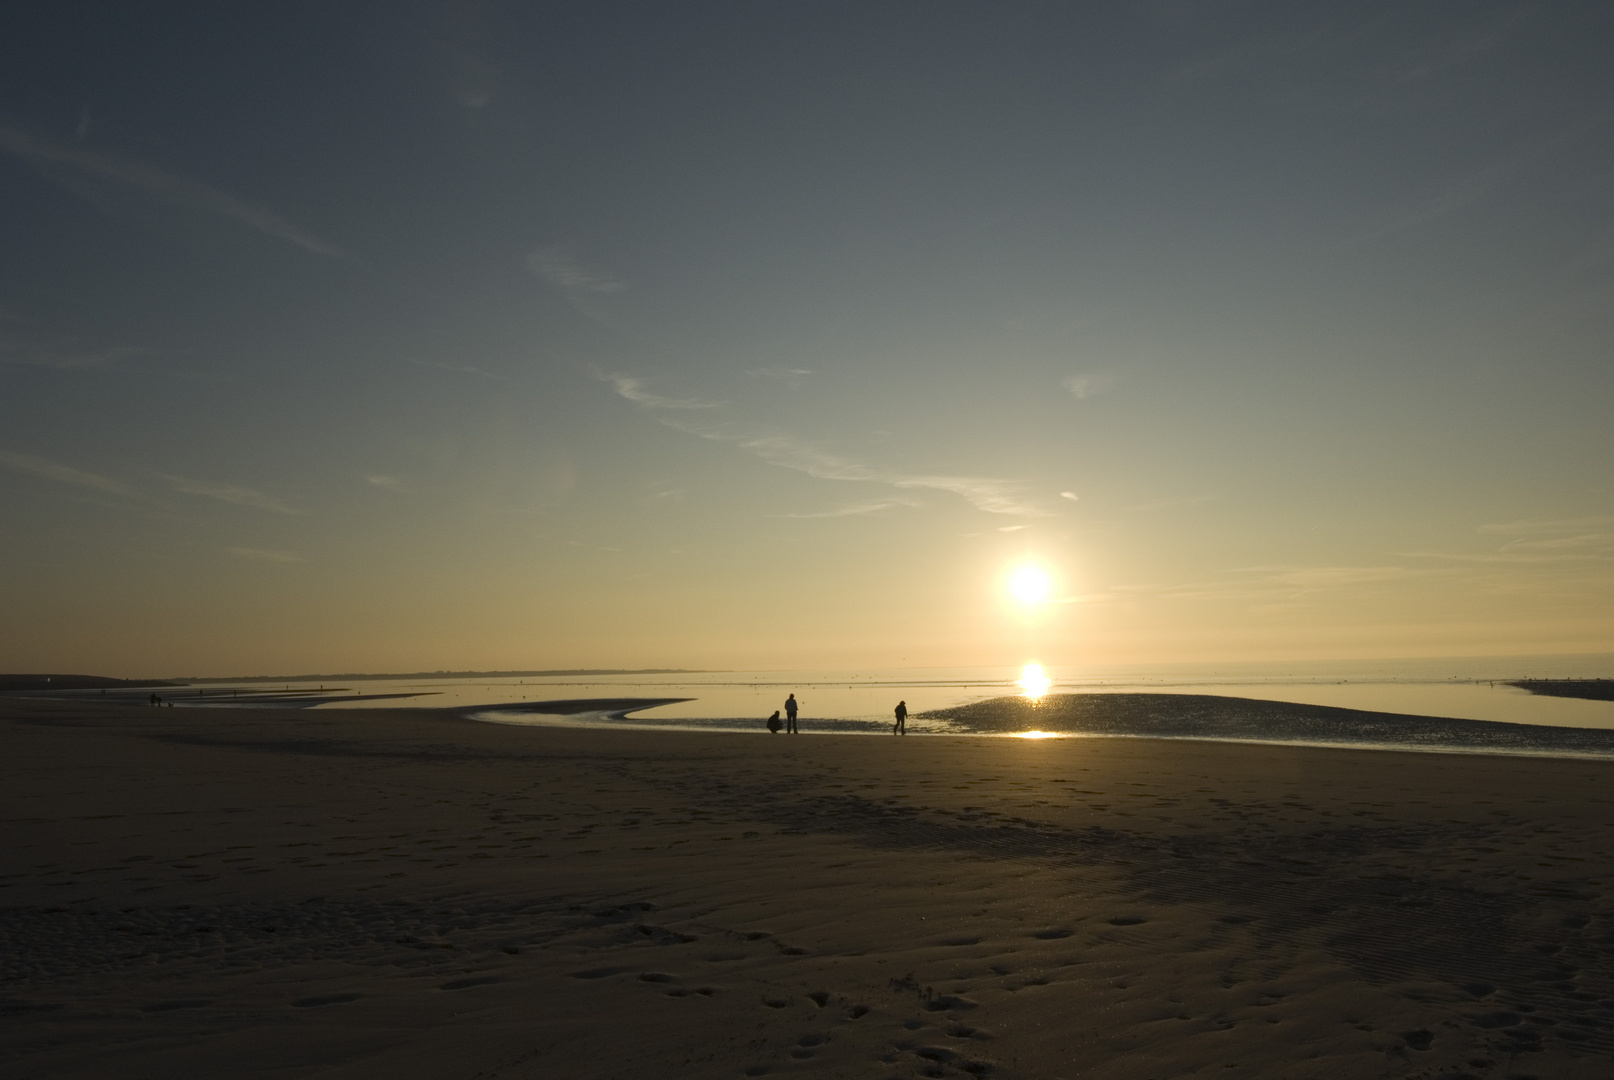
<point x="62" y="358"/>
<point x="788" y="376"/>
<point x="555" y="265"/>
<point x="995" y="496"/>
<point x="230" y="493"/>
<point x="1552" y="525"/>
<point x="854" y="510"/>
<point x="991" y="495"/>
<point x="1540" y="541"/>
<point x="634" y="389"/>
<point x="1082" y="387"/>
<point x="70" y="167"/>
<point x="1471" y="189"/>
<point x="46" y="469"/>
<point x="1277" y="582"/>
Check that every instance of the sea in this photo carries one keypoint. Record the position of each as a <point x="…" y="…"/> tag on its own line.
<point x="862" y="701"/>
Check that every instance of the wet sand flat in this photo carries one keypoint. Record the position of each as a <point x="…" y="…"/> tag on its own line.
<point x="402" y="893"/>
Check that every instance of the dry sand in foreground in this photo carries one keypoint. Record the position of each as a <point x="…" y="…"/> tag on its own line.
<point x="401" y="894"/>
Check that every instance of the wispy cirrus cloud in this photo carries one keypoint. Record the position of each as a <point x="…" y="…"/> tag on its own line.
<point x="637" y="390"/>
<point x="55" y="471"/>
<point x="1087" y="385"/>
<point x="230" y="493"/>
<point x="395" y="484"/>
<point x="1472" y="188"/>
<point x="1540" y="540"/>
<point x="852" y="510"/>
<point x="591" y="292"/>
<point x="1276" y="583"/>
<point x="1602" y="523"/>
<point x="555" y="265"/>
<point x="984" y="493"/>
<point x="995" y="496"/>
<point x="80" y="170"/>
<point x="788" y="376"/>
<point x="64" y="356"/>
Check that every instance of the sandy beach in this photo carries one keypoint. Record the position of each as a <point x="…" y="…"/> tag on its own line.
<point x="403" y="893"/>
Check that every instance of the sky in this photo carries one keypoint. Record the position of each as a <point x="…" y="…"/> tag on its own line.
<point x="414" y="336"/>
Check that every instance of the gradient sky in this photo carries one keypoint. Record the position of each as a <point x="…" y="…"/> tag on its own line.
<point x="391" y="336"/>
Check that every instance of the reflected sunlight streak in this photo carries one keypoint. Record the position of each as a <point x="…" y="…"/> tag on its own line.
<point x="1033" y="683"/>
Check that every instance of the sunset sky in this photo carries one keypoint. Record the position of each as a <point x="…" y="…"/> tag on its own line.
<point x="403" y="336"/>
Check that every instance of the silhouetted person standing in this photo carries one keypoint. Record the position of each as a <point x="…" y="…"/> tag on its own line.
<point x="901" y="713"/>
<point x="790" y="715"/>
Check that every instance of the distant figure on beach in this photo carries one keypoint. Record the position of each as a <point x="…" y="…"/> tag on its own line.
<point x="773" y="722"/>
<point x="154" y="699"/>
<point x="901" y="713"/>
<point x="790" y="715"/>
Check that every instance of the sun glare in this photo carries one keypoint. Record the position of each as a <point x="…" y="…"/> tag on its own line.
<point x="1030" y="585"/>
<point x="1033" y="683"/>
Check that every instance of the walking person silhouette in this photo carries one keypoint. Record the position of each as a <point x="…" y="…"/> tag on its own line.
<point x="901" y="713"/>
<point x="790" y="716"/>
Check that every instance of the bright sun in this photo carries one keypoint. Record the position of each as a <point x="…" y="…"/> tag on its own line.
<point x="1030" y="585"/>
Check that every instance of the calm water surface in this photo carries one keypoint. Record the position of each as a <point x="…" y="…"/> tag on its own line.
<point x="1470" y="689"/>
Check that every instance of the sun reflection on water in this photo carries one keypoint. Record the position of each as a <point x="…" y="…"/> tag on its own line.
<point x="1036" y="735"/>
<point x="1033" y="683"/>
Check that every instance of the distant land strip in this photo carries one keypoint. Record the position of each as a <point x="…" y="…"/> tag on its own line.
<point x="350" y="676"/>
<point x="13" y="683"/>
<point x="1591" y="689"/>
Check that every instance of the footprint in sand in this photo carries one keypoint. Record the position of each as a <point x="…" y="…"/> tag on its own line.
<point x="941" y="1056"/>
<point x="947" y="1003"/>
<point x="600" y="973"/>
<point x="807" y="1046"/>
<point x="327" y="999"/>
<point x="479" y="980"/>
<point x="1052" y="934"/>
